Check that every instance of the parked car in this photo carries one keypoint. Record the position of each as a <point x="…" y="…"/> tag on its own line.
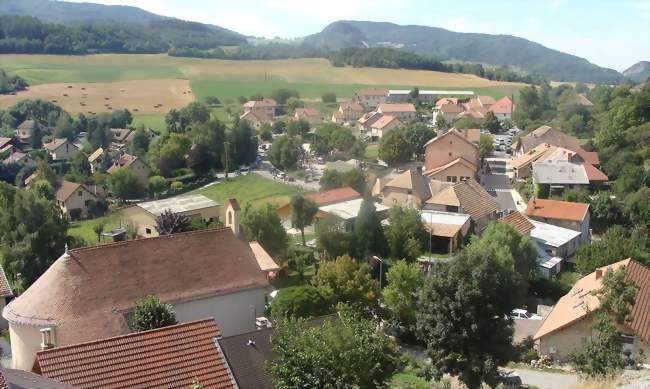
<point x="511" y="380"/>
<point x="524" y="314"/>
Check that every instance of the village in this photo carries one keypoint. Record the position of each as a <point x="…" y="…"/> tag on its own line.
<point x="450" y="172"/>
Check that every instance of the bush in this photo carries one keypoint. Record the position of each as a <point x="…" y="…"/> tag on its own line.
<point x="176" y="185"/>
<point x="329" y="97"/>
<point x="151" y="313"/>
<point x="298" y="301"/>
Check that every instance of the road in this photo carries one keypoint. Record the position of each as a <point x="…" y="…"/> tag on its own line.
<point x="547" y="380"/>
<point x="497" y="182"/>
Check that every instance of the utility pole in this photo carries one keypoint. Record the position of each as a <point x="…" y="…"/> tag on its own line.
<point x="226" y="145"/>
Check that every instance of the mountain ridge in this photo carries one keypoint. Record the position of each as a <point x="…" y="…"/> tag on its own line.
<point x="638" y="72"/>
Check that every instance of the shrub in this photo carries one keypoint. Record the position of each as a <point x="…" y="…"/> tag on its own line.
<point x="299" y="301"/>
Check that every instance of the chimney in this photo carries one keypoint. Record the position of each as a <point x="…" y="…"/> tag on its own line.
<point x="47" y="338"/>
<point x="599" y="274"/>
<point x="232" y="216"/>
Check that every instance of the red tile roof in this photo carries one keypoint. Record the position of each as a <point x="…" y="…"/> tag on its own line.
<point x="556" y="209"/>
<point x="170" y="357"/>
<point x="67" y="188"/>
<point x="594" y="174"/>
<point x="519" y="222"/>
<point x="305" y="112"/>
<point x="261" y="103"/>
<point x="503" y="105"/>
<point x="334" y="196"/>
<point x="352" y="105"/>
<point x="55" y="144"/>
<point x="401" y="107"/>
<point x="452" y="108"/>
<point x="385" y="121"/>
<point x="87" y="294"/>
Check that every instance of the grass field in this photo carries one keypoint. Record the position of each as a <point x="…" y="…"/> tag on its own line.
<point x="84" y="229"/>
<point x="250" y="189"/>
<point x="230" y="79"/>
<point x="155" y="121"/>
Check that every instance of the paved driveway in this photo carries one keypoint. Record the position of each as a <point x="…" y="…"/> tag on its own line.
<point x="547" y="380"/>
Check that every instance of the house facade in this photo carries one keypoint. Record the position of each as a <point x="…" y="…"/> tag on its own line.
<point x="74" y="200"/>
<point x="409" y="189"/>
<point x="61" y="149"/>
<point x="89" y="293"/>
<point x="384" y="125"/>
<point x="255" y="119"/>
<point x="574" y="216"/>
<point x="451" y="157"/>
<point x="97" y="160"/>
<point x="370" y="98"/>
<point x="133" y="163"/>
<point x="405" y="112"/>
<point x="349" y="111"/>
<point x="264" y="107"/>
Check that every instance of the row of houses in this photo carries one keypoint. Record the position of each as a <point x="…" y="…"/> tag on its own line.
<point x="370" y="98"/>
<point x="452" y="109"/>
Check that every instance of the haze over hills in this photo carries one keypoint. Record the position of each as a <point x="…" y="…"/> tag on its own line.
<point x="496" y="50"/>
<point x="638" y="72"/>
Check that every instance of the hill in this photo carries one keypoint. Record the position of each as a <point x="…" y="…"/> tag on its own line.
<point x="638" y="72"/>
<point x="496" y="50"/>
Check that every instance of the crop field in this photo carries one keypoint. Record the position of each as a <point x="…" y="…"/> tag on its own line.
<point x="159" y="79"/>
<point x="139" y="96"/>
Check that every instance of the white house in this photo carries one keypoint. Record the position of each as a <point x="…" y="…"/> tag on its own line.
<point x="61" y="149"/>
<point x="89" y="293"/>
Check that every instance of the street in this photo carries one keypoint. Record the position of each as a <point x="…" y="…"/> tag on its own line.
<point x="497" y="184"/>
<point x="547" y="380"/>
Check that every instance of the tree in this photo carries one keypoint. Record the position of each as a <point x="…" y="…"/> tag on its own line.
<point x="124" y="184"/>
<point x="212" y="101"/>
<point x="405" y="234"/>
<point x="150" y="313"/>
<point x="140" y="143"/>
<point x="328" y="97"/>
<point x="33" y="232"/>
<point x="303" y="212"/>
<point x="464" y="318"/>
<point x="298" y="301"/>
<point x="400" y="296"/>
<point x="293" y="103"/>
<point x="441" y="123"/>
<point x="266" y="134"/>
<point x="285" y="152"/>
<point x="369" y="236"/>
<point x="156" y="186"/>
<point x="282" y="95"/>
<point x="279" y="127"/>
<point x="200" y="159"/>
<point x="331" y="241"/>
<point x="346" y="281"/>
<point x="64" y="128"/>
<point x="243" y="143"/>
<point x="264" y="226"/>
<point x="603" y="355"/>
<point x="98" y="228"/>
<point x="349" y="351"/>
<point x="168" y="223"/>
<point x="491" y="123"/>
<point x="80" y="168"/>
<point x="394" y="149"/>
<point x="616" y="243"/>
<point x="331" y="179"/>
<point x="486" y="146"/>
<point x="512" y="250"/>
<point x="417" y="135"/>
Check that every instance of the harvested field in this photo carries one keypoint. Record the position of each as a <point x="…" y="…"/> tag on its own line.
<point x="145" y="97"/>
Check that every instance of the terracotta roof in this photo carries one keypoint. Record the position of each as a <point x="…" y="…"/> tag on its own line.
<point x="55" y="144"/>
<point x="87" y="293"/>
<point x="368" y="119"/>
<point x="96" y="154"/>
<point x="485" y="100"/>
<point x="123" y="161"/>
<point x="305" y="112"/>
<point x="5" y="288"/>
<point x="503" y="106"/>
<point x="16" y="158"/>
<point x="594" y="174"/>
<point x="547" y="134"/>
<point x="556" y="209"/>
<point x="258" y="116"/>
<point x="471" y="134"/>
<point x="67" y="188"/>
<point x="452" y="108"/>
<point x="446" y="100"/>
<point x="333" y="196"/>
<point x="519" y="222"/>
<point x="532" y="155"/>
<point x="170" y="357"/>
<point x="391" y="108"/>
<point x="261" y="103"/>
<point x="384" y="121"/>
<point x="372" y="92"/>
<point x="580" y="301"/>
<point x="412" y="180"/>
<point x="583" y="100"/>
<point x="20" y="379"/>
<point x="352" y="105"/>
<point x="455" y="134"/>
<point x="470" y="196"/>
<point x="264" y="260"/>
<point x="446" y="166"/>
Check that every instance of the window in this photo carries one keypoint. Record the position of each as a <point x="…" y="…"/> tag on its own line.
<point x="148" y="231"/>
<point x="79" y="193"/>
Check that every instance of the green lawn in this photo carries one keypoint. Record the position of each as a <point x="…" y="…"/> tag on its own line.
<point x="372" y="152"/>
<point x="157" y="122"/>
<point x="84" y="229"/>
<point x="407" y="379"/>
<point x="251" y="188"/>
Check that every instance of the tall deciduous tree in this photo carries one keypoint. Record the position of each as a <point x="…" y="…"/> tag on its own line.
<point x="285" y="152"/>
<point x="491" y="123"/>
<point x="346" y="281"/>
<point x="417" y="135"/>
<point x="394" y="149"/>
<point x="400" y="296"/>
<point x="150" y="313"/>
<point x="264" y="226"/>
<point x="349" y="351"/>
<point x="463" y="318"/>
<point x="124" y="184"/>
<point x="405" y="234"/>
<point x="369" y="236"/>
<point x="303" y="212"/>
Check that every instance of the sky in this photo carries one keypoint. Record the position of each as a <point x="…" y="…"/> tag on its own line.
<point x="609" y="33"/>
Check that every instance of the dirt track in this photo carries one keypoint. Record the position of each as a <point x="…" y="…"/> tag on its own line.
<point x="139" y="96"/>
